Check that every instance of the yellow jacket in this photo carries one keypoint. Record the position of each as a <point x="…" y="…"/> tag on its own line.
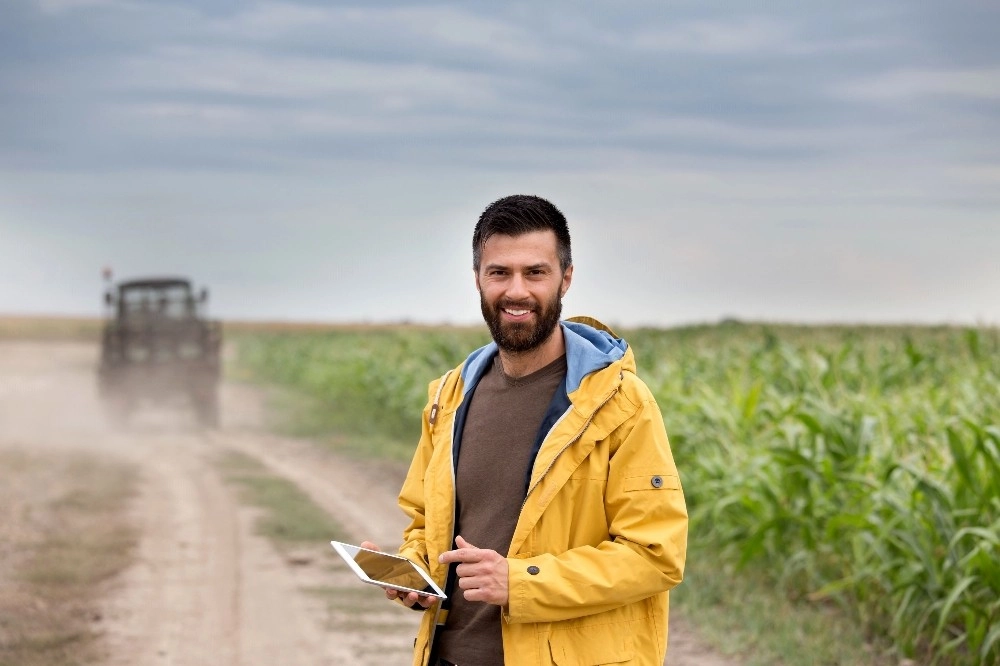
<point x="602" y="534"/>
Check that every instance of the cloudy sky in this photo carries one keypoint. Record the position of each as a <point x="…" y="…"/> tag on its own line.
<point x="797" y="161"/>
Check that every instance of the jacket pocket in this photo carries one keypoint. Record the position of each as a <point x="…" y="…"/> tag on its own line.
<point x="591" y="645"/>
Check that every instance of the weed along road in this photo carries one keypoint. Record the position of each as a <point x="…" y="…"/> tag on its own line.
<point x="163" y="543"/>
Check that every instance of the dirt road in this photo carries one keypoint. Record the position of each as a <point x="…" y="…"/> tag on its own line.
<point x="205" y="588"/>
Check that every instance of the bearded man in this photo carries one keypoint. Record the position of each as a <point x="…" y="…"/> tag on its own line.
<point x="543" y="495"/>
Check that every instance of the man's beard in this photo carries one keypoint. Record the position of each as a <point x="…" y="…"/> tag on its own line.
<point x="521" y="337"/>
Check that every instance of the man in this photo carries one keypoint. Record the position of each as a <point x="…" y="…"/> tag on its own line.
<point x="543" y="494"/>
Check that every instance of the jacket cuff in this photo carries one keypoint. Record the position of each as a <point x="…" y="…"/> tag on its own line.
<point x="522" y="576"/>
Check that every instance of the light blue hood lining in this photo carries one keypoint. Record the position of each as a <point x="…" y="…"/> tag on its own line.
<point x="587" y="350"/>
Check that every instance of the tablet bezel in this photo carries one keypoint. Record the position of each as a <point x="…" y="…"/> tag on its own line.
<point x="435" y="591"/>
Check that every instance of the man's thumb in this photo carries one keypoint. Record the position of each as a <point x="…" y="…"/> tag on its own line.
<point x="462" y="543"/>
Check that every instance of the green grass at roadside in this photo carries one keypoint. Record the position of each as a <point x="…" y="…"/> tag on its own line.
<point x="68" y="539"/>
<point x="296" y="413"/>
<point x="289" y="517"/>
<point x="366" y="382"/>
<point x="739" y="612"/>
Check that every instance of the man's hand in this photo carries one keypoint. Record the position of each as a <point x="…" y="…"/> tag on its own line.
<point x="409" y="599"/>
<point x="482" y="574"/>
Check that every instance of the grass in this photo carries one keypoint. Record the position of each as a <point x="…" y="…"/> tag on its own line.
<point x="296" y="413"/>
<point x="738" y="612"/>
<point x="67" y="540"/>
<point x="288" y="516"/>
<point x="365" y="382"/>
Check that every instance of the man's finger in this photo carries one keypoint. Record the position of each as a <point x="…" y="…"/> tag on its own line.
<point x="415" y="599"/>
<point x="461" y="555"/>
<point x="465" y="552"/>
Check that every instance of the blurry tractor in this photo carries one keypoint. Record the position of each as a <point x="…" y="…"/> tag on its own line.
<point x="158" y="347"/>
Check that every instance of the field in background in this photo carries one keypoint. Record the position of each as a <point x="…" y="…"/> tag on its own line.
<point x="855" y="471"/>
<point x="42" y="327"/>
<point x="49" y="328"/>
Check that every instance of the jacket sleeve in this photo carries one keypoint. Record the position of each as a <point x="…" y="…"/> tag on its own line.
<point x="647" y="535"/>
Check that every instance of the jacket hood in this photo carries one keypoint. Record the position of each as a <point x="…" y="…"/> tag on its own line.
<point x="590" y="346"/>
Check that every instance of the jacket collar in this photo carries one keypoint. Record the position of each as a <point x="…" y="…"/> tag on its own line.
<point x="590" y="346"/>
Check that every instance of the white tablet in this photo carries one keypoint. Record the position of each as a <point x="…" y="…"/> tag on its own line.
<point x="386" y="570"/>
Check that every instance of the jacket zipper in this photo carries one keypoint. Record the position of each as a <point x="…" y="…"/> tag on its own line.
<point x="569" y="443"/>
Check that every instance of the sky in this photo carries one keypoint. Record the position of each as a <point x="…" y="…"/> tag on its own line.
<point x="788" y="161"/>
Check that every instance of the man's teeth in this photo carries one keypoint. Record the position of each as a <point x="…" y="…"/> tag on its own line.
<point x="516" y="313"/>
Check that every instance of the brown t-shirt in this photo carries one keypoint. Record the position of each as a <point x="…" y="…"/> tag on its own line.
<point x="497" y="440"/>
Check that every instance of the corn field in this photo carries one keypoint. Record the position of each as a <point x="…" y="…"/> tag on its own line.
<point x="858" y="466"/>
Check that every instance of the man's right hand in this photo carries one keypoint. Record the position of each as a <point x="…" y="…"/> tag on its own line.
<point x="408" y="599"/>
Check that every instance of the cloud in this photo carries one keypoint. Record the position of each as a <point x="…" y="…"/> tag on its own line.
<point x="731" y="37"/>
<point x="55" y="7"/>
<point x="903" y="84"/>
<point x="437" y="27"/>
<point x="218" y="72"/>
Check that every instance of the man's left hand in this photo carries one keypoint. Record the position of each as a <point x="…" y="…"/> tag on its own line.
<point x="482" y="573"/>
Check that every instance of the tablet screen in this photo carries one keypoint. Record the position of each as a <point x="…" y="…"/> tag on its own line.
<point x="387" y="570"/>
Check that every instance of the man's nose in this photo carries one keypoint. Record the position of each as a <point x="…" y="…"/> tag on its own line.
<point x="518" y="288"/>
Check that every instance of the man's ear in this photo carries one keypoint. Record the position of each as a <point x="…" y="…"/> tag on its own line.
<point x="567" y="278"/>
<point x="475" y="279"/>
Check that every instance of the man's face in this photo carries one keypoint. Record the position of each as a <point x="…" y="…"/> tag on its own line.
<point x="521" y="288"/>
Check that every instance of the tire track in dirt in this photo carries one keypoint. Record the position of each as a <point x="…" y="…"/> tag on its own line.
<point x="375" y="630"/>
<point x="363" y="502"/>
<point x="184" y="579"/>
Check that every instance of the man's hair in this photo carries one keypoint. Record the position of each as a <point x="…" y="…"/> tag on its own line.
<point x="520" y="214"/>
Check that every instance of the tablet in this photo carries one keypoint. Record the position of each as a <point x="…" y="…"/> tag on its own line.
<point x="386" y="570"/>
